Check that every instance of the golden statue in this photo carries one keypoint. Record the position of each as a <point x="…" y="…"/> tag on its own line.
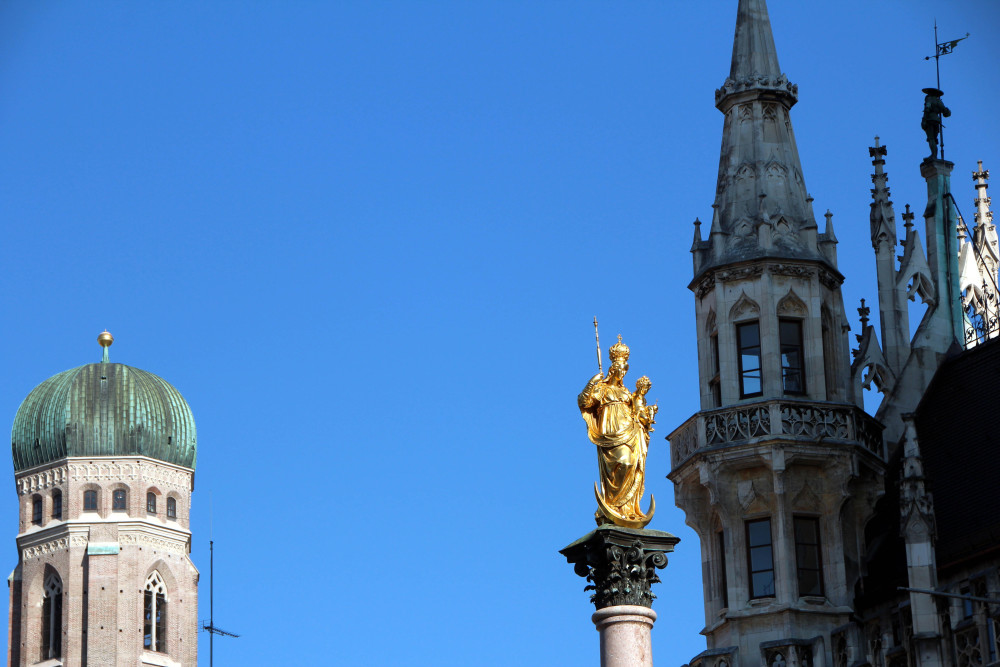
<point x="619" y="423"/>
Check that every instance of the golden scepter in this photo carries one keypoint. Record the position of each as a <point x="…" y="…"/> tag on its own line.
<point x="598" y="337"/>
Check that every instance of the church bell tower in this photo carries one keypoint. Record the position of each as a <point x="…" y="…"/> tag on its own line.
<point x="780" y="468"/>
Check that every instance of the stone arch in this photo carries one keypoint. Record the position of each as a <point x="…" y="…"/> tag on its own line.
<point x="710" y="322"/>
<point x="745" y="308"/>
<point x="791" y="305"/>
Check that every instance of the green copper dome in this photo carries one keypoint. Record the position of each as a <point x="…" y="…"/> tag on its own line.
<point x="103" y="409"/>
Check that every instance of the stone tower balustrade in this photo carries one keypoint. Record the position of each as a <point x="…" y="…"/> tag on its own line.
<point x="773" y="421"/>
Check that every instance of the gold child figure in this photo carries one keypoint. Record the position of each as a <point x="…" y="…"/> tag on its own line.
<point x="619" y="423"/>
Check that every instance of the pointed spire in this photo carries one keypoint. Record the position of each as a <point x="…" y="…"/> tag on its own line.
<point x="697" y="235"/>
<point x="831" y="237"/>
<point x="755" y="60"/>
<point x="761" y="197"/>
<point x="984" y="215"/>
<point x="753" y="48"/>
<point x="883" y="217"/>
<point x="908" y="220"/>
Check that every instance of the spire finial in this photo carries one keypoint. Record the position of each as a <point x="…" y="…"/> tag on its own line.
<point x="908" y="219"/>
<point x="984" y="215"/>
<point x="105" y="339"/>
<point x="864" y="311"/>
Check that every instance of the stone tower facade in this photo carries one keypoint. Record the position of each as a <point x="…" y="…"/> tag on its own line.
<point x="104" y="459"/>
<point x="780" y="469"/>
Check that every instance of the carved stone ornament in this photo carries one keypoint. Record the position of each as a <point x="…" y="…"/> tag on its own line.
<point x="705" y="286"/>
<point x="828" y="280"/>
<point x="794" y="270"/>
<point x="46" y="548"/>
<point x="739" y="273"/>
<point x="620" y="563"/>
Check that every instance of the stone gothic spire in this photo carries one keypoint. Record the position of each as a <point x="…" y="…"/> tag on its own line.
<point x="761" y="200"/>
<point x="893" y="313"/>
<point x="978" y="263"/>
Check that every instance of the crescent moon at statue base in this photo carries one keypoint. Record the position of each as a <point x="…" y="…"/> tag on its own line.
<point x="617" y="518"/>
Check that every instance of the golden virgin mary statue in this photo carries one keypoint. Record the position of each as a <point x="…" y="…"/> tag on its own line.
<point x="619" y="423"/>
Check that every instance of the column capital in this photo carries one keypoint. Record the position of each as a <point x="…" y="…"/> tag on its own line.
<point x="620" y="563"/>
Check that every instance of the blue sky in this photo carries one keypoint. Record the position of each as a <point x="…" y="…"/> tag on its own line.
<point x="366" y="241"/>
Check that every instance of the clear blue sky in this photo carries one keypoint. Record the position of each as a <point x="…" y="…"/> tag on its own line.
<point x="366" y="241"/>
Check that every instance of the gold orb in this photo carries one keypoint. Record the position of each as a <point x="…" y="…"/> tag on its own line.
<point x="105" y="339"/>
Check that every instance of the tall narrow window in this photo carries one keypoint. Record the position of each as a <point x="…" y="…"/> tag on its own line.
<point x="36" y="510"/>
<point x="830" y="366"/>
<point x="748" y="344"/>
<point x="151" y="503"/>
<point x="118" y="499"/>
<point x="808" y="559"/>
<point x="714" y="382"/>
<point x="90" y="501"/>
<point x="52" y="617"/>
<point x="723" y="583"/>
<point x="57" y="504"/>
<point x="760" y="558"/>
<point x="171" y="508"/>
<point x="154" y="627"/>
<point x="792" y="378"/>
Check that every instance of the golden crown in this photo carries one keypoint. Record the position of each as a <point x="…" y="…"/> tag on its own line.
<point x="619" y="351"/>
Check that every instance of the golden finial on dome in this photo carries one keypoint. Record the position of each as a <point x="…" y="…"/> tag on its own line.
<point x="105" y="339"/>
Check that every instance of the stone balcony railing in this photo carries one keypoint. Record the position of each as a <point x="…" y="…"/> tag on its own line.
<point x="784" y="419"/>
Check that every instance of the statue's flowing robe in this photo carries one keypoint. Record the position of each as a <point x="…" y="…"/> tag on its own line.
<point x="621" y="445"/>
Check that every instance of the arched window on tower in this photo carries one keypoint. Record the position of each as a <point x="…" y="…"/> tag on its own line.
<point x="154" y="628"/>
<point x="171" y="508"/>
<point x="57" y="504"/>
<point x="119" y="499"/>
<point x="36" y="509"/>
<point x="52" y="617"/>
<point x="90" y="501"/>
<point x="150" y="503"/>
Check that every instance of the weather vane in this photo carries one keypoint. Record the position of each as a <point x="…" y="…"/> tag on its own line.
<point x="934" y="109"/>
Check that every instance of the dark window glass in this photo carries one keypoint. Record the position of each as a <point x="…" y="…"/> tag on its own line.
<point x="722" y="569"/>
<point x="154" y="616"/>
<point x="714" y="382"/>
<point x="46" y="627"/>
<point x="36" y="509"/>
<point x="52" y="618"/>
<point x="792" y="377"/>
<point x="748" y="344"/>
<point x="808" y="557"/>
<point x="147" y="621"/>
<point x="118" y="499"/>
<point x="161" y="623"/>
<point x="57" y="504"/>
<point x="90" y="501"/>
<point x="151" y="502"/>
<point x="760" y="558"/>
<point x="171" y="508"/>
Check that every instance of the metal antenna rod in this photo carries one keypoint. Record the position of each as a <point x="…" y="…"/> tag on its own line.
<point x="211" y="602"/>
<point x="210" y="626"/>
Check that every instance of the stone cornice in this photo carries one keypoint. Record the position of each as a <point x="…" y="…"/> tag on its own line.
<point x="705" y="282"/>
<point x="105" y="469"/>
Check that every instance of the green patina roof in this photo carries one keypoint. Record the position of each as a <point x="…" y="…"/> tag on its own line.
<point x="103" y="409"/>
